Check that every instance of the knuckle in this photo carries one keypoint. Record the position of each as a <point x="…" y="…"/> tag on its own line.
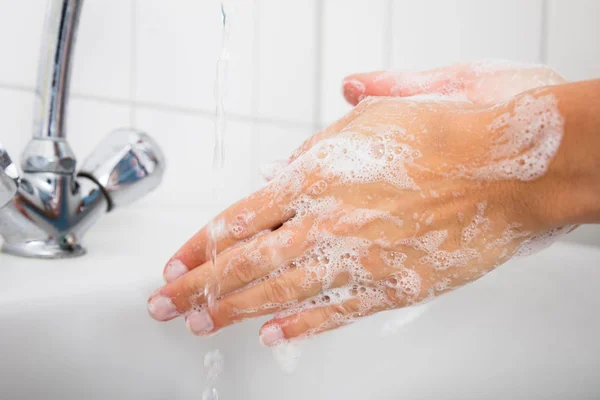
<point x="329" y="316"/>
<point x="277" y="290"/>
<point x="192" y="287"/>
<point x="345" y="309"/>
<point x="352" y="307"/>
<point x="243" y="272"/>
<point x="326" y="313"/>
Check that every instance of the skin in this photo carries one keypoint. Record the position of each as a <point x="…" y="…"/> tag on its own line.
<point x="275" y="253"/>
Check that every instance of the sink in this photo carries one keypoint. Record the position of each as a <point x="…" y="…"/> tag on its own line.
<point x="78" y="329"/>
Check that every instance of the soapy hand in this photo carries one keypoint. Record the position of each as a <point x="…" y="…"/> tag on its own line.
<point x="482" y="82"/>
<point x="398" y="202"/>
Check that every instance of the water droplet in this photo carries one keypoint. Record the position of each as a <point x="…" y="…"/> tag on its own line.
<point x="210" y="394"/>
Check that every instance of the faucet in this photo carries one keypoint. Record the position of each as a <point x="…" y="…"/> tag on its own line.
<point x="47" y="208"/>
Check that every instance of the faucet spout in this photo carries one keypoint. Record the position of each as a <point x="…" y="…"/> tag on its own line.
<point x="54" y="69"/>
<point x="46" y="212"/>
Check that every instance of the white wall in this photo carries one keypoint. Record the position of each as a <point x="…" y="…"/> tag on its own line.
<point x="151" y="63"/>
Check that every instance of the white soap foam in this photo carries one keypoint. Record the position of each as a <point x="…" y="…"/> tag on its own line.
<point x="479" y="224"/>
<point x="429" y="242"/>
<point x="350" y="158"/>
<point x="511" y="233"/>
<point x="407" y="283"/>
<point x="453" y="82"/>
<point x="334" y="255"/>
<point x="531" y="136"/>
<point x="359" y="217"/>
<point x="394" y="259"/>
<point x="239" y="228"/>
<point x="541" y="241"/>
<point x="287" y="354"/>
<point x="443" y="259"/>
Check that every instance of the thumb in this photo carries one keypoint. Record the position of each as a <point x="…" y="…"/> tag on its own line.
<point x="402" y="84"/>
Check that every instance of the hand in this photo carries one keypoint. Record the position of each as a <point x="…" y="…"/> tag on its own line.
<point x="483" y="82"/>
<point x="398" y="202"/>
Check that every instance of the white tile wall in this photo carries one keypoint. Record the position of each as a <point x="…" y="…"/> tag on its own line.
<point x="184" y="183"/>
<point x="187" y="142"/>
<point x="15" y="117"/>
<point x="573" y="32"/>
<point x="152" y="63"/>
<point x="102" y="62"/>
<point x="354" y="40"/>
<point x="20" y="29"/>
<point x="89" y="120"/>
<point x="177" y="47"/>
<point x="430" y="33"/>
<point x="287" y="57"/>
<point x="242" y="66"/>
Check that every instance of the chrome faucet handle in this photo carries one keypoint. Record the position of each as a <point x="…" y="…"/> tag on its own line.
<point x="47" y="210"/>
<point x="127" y="164"/>
<point x="9" y="176"/>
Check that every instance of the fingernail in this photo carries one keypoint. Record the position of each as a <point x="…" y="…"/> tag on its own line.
<point x="271" y="335"/>
<point x="174" y="270"/>
<point x="162" y="308"/>
<point x="354" y="89"/>
<point x="199" y="322"/>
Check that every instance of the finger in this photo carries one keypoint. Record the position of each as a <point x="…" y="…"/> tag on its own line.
<point x="314" y="321"/>
<point x="402" y="84"/>
<point x="277" y="293"/>
<point x="234" y="269"/>
<point x="260" y="211"/>
<point x="358" y="86"/>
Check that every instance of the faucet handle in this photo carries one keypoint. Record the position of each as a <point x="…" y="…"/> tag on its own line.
<point x="9" y="176"/>
<point x="127" y="164"/>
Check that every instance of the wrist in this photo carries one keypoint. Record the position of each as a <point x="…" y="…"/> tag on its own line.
<point x="569" y="192"/>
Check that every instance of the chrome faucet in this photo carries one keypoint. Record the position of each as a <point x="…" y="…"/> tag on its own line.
<point x="46" y="210"/>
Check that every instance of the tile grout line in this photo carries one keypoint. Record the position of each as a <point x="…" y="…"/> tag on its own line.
<point x="133" y="64"/>
<point x="210" y="114"/>
<point x="102" y="99"/>
<point x="190" y="111"/>
<point x="17" y="87"/>
<point x="543" y="51"/>
<point x="388" y="35"/>
<point x="255" y="132"/>
<point x="318" y="66"/>
<point x="255" y="58"/>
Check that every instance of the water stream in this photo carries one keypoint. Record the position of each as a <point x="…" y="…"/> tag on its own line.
<point x="211" y="289"/>
<point x="213" y="360"/>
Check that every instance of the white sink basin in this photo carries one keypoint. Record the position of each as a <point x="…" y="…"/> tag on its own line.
<point x="78" y="329"/>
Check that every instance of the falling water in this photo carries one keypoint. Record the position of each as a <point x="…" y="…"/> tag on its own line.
<point x="211" y="290"/>
<point x="213" y="364"/>
<point x="213" y="361"/>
